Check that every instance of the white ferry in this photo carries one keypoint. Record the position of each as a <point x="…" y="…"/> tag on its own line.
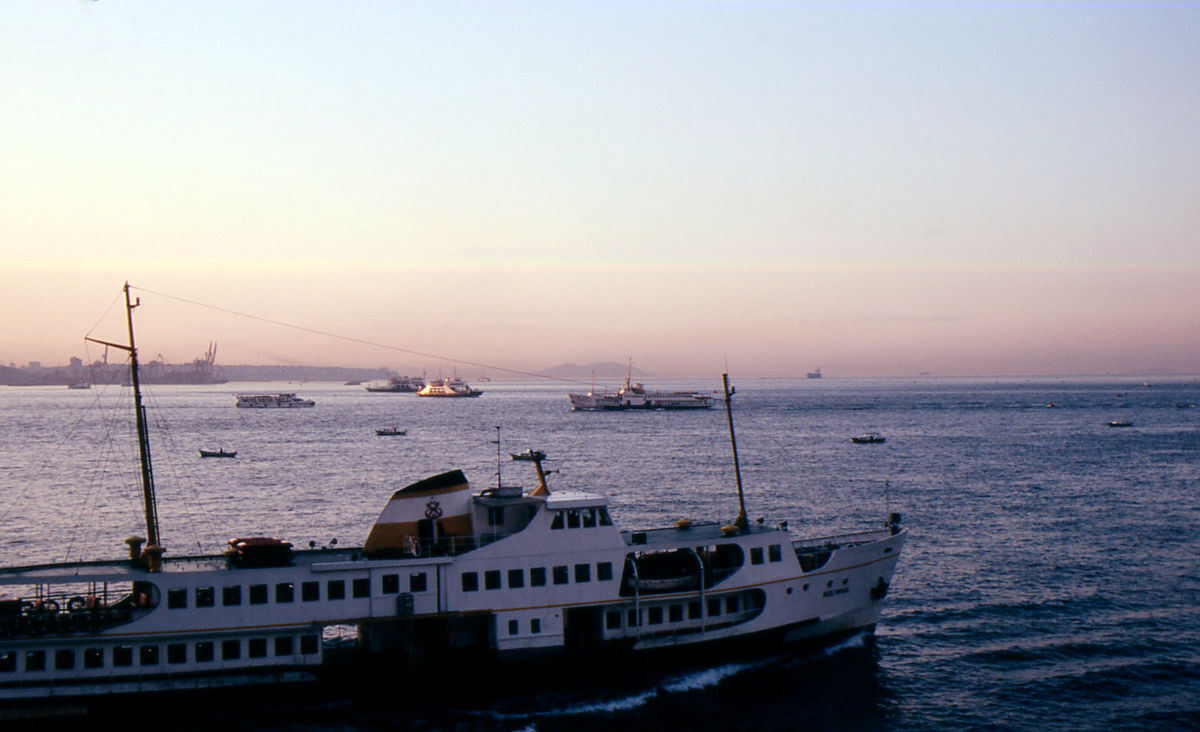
<point x="448" y="387"/>
<point x="446" y="573"/>
<point x="634" y="395"/>
<point x="272" y="401"/>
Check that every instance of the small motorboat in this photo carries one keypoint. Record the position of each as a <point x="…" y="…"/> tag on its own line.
<point x="217" y="453"/>
<point x="390" y="432"/>
<point x="868" y="438"/>
<point x="1120" y="423"/>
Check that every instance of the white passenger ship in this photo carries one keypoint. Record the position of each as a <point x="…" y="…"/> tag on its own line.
<point x="448" y="388"/>
<point x="634" y="395"/>
<point x="272" y="401"/>
<point x="494" y="576"/>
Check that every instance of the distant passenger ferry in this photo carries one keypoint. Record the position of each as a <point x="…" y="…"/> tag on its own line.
<point x="635" y="396"/>
<point x="269" y="401"/>
<point x="814" y="374"/>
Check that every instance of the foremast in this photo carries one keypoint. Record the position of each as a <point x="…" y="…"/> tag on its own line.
<point x="153" y="550"/>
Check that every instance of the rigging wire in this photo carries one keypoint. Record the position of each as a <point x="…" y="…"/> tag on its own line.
<point x="351" y="339"/>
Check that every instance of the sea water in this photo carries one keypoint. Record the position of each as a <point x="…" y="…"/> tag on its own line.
<point x="1051" y="579"/>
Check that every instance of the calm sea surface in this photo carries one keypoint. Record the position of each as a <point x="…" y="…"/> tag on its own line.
<point x="1051" y="580"/>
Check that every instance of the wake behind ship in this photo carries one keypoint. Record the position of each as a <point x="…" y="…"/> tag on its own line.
<point x="483" y="577"/>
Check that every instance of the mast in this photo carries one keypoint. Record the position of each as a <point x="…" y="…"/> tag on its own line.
<point x="148" y="501"/>
<point x="740" y="522"/>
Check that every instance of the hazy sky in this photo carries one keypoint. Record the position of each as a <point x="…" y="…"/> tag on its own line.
<point x="872" y="188"/>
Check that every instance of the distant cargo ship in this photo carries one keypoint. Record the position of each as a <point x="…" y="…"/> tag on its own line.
<point x="814" y="374"/>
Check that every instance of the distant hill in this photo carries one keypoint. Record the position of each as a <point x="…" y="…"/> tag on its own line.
<point x="602" y="370"/>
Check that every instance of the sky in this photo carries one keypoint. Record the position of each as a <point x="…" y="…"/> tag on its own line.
<point x="869" y="188"/>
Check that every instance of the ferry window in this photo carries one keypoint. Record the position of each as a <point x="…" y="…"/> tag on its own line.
<point x="731" y="604"/>
<point x="310" y="591"/>
<point x="589" y="518"/>
<point x="285" y="592"/>
<point x="258" y="594"/>
<point x="231" y="595"/>
<point x="714" y="607"/>
<point x="572" y="518"/>
<point x="491" y="579"/>
<point x="8" y="661"/>
<point x="756" y="555"/>
<point x="583" y="573"/>
<point x="557" y="523"/>
<point x="535" y="625"/>
<point x="654" y="615"/>
<point x="177" y="598"/>
<point x="775" y="553"/>
<point x="64" y="659"/>
<point x="204" y="651"/>
<point x="176" y="653"/>
<point x="123" y="656"/>
<point x="516" y="578"/>
<point x="537" y="576"/>
<point x="496" y="516"/>
<point x="231" y="650"/>
<point x="257" y="648"/>
<point x="631" y="618"/>
<point x="284" y="645"/>
<point x="35" y="660"/>
<point x="514" y="627"/>
<point x="694" y="610"/>
<point x="390" y="584"/>
<point x="675" y="613"/>
<point x="93" y="658"/>
<point x="310" y="644"/>
<point x="612" y="619"/>
<point x="361" y="587"/>
<point x="148" y="655"/>
<point x="604" y="571"/>
<point x="335" y="590"/>
<point x="205" y="597"/>
<point x="602" y="514"/>
<point x="560" y="575"/>
<point x="416" y="582"/>
<point x="470" y="582"/>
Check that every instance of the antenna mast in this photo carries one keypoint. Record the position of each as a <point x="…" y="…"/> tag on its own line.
<point x="148" y="500"/>
<point x="740" y="522"/>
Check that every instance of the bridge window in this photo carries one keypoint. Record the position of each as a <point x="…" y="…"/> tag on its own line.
<point x="491" y="579"/>
<point x="775" y="553"/>
<point x="310" y="591"/>
<point x="756" y="555"/>
<point x="516" y="578"/>
<point x="177" y="598"/>
<point x="361" y="587"/>
<point x="205" y="597"/>
<point x="470" y="582"/>
<point x="602" y="515"/>
<point x="557" y="522"/>
<point x="258" y="594"/>
<point x="231" y="595"/>
<point x="204" y="651"/>
<point x="257" y="648"/>
<point x="285" y="592"/>
<point x="335" y="589"/>
<point x="589" y="518"/>
<point x="390" y="584"/>
<point x="35" y="660"/>
<point x="572" y="518"/>
<point x="416" y="582"/>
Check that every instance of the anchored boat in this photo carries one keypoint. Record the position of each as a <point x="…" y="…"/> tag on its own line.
<point x="445" y="575"/>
